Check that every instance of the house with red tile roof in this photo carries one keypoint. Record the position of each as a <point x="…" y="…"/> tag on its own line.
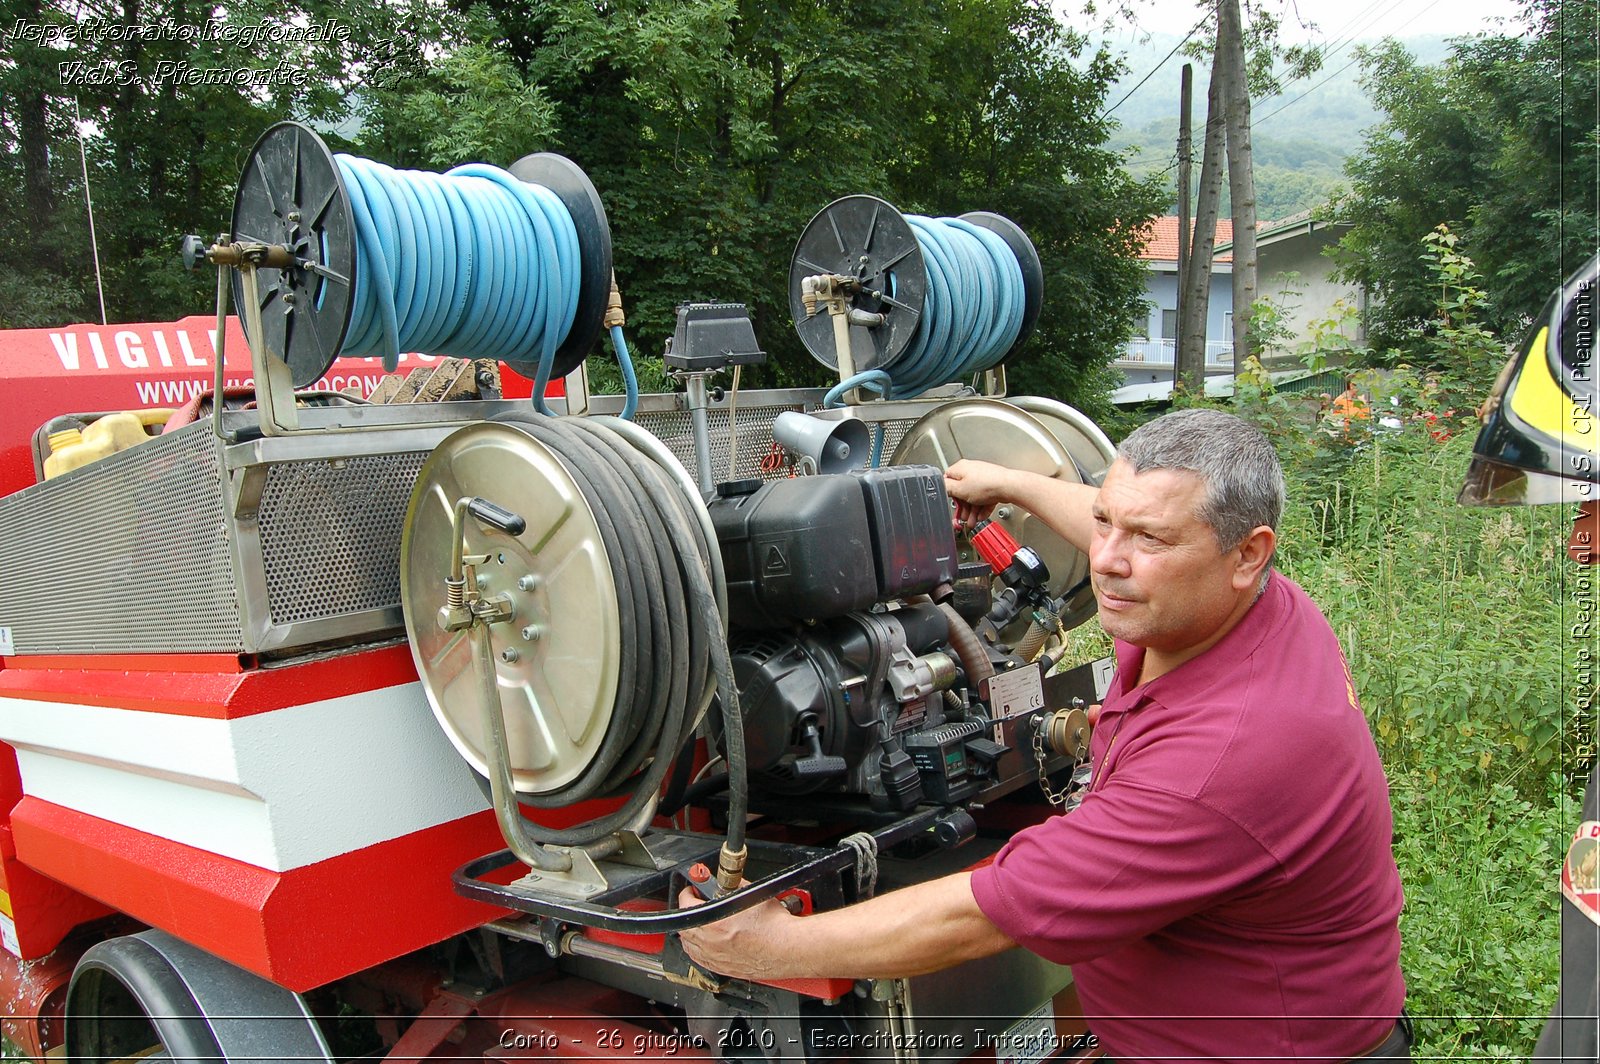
<point x="1148" y="358"/>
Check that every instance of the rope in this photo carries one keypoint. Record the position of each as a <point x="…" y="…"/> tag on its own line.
<point x="472" y="263"/>
<point x="866" y="849"/>
<point x="971" y="314"/>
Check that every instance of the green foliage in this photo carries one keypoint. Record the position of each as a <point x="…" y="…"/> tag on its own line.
<point x="1452" y="622"/>
<point x="715" y="130"/>
<point x="1479" y="933"/>
<point x="1331" y="339"/>
<point x="1499" y="143"/>
<point x="166" y="119"/>
<point x="1455" y="339"/>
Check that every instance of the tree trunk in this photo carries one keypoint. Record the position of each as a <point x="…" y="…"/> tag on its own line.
<point x="1196" y="287"/>
<point x="1241" y="178"/>
<point x="33" y="127"/>
<point x="1185" y="197"/>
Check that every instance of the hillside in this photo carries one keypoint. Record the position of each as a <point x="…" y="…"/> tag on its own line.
<point x="1301" y="137"/>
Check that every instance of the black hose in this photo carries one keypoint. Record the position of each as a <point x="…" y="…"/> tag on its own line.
<point x="671" y="629"/>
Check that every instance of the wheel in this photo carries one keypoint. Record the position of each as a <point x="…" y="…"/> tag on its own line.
<point x="153" y="997"/>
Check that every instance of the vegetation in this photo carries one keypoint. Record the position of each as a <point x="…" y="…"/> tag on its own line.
<point x="1457" y="626"/>
<point x="1499" y="142"/>
<point x="713" y="128"/>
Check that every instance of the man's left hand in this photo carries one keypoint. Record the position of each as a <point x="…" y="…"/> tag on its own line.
<point x="746" y="945"/>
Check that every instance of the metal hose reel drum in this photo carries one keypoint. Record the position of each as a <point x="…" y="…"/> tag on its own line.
<point x="558" y="657"/>
<point x="892" y="284"/>
<point x="556" y="660"/>
<point x="1034" y="434"/>
<point x="292" y="195"/>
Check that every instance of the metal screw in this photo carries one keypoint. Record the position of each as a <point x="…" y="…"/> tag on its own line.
<point x="509" y="655"/>
<point x="527" y="583"/>
<point x="288" y="299"/>
<point x="483" y="581"/>
<point x="532" y="633"/>
<point x="1002" y="513"/>
<point x="294" y="216"/>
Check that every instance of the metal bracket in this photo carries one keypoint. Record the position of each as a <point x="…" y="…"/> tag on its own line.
<point x="583" y="880"/>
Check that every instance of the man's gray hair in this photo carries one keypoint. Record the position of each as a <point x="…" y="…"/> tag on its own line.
<point x="1244" y="480"/>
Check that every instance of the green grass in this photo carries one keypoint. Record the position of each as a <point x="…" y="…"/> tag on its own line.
<point x="1459" y="627"/>
<point x="1457" y="623"/>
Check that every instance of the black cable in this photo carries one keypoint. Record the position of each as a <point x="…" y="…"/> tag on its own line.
<point x="1107" y="112"/>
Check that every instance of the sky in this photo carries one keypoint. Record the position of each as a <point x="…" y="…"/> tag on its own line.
<point x="1335" y="19"/>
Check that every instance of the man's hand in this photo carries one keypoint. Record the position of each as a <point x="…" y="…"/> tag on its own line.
<point x="976" y="488"/>
<point x="745" y="945"/>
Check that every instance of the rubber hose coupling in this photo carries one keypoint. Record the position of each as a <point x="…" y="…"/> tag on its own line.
<point x="730" y="867"/>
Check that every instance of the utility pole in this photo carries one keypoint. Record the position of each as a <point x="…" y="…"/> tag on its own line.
<point x="1197" y="285"/>
<point x="1185" y="109"/>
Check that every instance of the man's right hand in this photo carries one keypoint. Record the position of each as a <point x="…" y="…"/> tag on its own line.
<point x="976" y="488"/>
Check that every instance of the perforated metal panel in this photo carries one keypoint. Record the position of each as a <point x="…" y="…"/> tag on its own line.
<point x="330" y="534"/>
<point x="753" y="438"/>
<point x="154" y="550"/>
<point x="126" y="555"/>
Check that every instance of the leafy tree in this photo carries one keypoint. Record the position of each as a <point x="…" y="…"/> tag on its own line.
<point x="1499" y="142"/>
<point x="715" y="129"/>
<point x="163" y="98"/>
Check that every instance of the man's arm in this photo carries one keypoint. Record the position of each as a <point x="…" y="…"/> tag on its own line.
<point x="978" y="487"/>
<point x="919" y="929"/>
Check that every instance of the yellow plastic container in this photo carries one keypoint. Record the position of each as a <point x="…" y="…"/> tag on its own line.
<point x="71" y="449"/>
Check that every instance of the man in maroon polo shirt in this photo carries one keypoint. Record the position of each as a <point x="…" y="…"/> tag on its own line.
<point x="1226" y="890"/>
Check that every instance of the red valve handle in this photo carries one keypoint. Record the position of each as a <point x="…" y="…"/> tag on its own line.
<point x="994" y="544"/>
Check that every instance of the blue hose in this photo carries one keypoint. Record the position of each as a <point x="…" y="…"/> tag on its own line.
<point x="630" y="382"/>
<point x="971" y="313"/>
<point x="471" y="263"/>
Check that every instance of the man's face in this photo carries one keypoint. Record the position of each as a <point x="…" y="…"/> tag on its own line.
<point x="1161" y="579"/>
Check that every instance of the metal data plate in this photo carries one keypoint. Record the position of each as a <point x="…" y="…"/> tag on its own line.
<point x="557" y="682"/>
<point x="993" y="431"/>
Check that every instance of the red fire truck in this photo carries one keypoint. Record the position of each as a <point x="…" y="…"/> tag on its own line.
<point x="344" y="730"/>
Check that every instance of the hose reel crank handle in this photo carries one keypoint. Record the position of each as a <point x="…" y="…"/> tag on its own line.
<point x="466" y="609"/>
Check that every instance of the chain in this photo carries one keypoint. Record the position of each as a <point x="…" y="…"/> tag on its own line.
<point x="1070" y="796"/>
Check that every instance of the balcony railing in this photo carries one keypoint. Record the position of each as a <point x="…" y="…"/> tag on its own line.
<point x="1161" y="353"/>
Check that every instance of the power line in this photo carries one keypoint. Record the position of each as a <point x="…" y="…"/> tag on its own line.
<point x="1341" y="70"/>
<point x="1107" y="112"/>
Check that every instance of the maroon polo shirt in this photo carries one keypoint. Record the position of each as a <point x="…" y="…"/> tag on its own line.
<point x="1227" y="889"/>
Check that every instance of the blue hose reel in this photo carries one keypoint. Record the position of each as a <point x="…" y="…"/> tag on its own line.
<point x="477" y="263"/>
<point x="935" y="300"/>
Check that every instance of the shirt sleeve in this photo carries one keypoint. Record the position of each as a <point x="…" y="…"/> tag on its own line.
<point x="1129" y="861"/>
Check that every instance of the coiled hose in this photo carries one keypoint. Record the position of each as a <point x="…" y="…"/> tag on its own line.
<point x="972" y="312"/>
<point x="473" y="263"/>
<point x="672" y="631"/>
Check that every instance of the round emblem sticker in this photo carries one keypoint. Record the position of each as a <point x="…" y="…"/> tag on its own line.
<point x="1580" y="876"/>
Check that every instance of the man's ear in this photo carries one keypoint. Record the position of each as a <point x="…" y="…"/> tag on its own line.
<point x="1255" y="554"/>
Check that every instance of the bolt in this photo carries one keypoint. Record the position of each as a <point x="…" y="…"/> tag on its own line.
<point x="294" y="217"/>
<point x="509" y="655"/>
<point x="288" y="299"/>
<point x="1002" y="513"/>
<point x="532" y="633"/>
<point x="527" y="583"/>
<point x="483" y="581"/>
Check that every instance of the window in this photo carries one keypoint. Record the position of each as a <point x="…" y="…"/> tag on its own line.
<point x="1169" y="325"/>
